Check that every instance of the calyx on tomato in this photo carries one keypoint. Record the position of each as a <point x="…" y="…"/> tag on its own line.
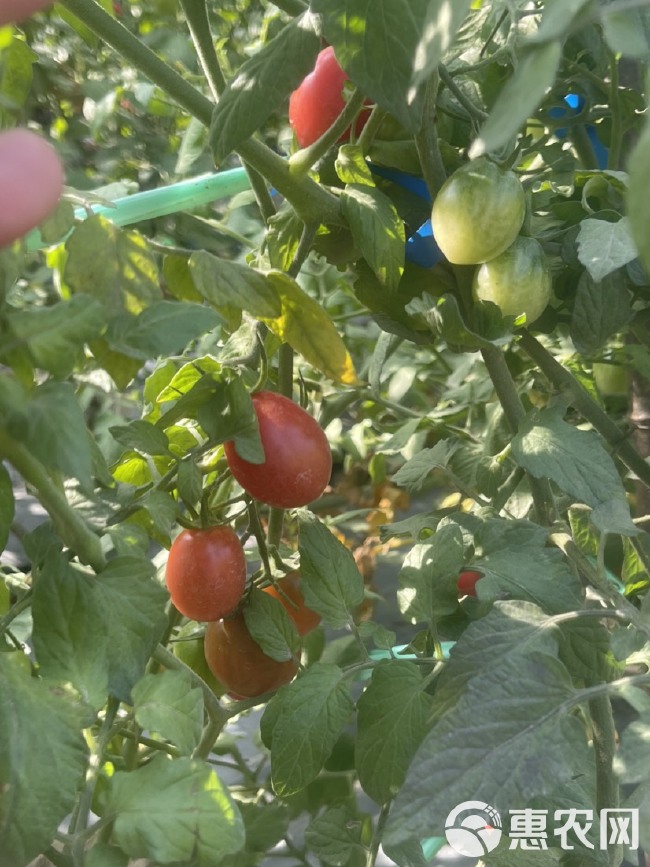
<point x="297" y="459"/>
<point x="289" y="594"/>
<point x="517" y="281"/>
<point x="478" y="212"/>
<point x="237" y="660"/>
<point x="206" y="573"/>
<point x="319" y="100"/>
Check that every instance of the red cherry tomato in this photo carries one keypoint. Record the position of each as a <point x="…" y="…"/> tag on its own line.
<point x="304" y="618"/>
<point x="319" y="100"/>
<point x="206" y="573"/>
<point x="467" y="582"/>
<point x="238" y="661"/>
<point x="298" y="461"/>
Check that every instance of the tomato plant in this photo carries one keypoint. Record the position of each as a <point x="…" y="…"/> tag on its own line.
<point x="478" y="212"/>
<point x="206" y="572"/>
<point x="238" y="661"/>
<point x="319" y="100"/>
<point x="467" y="581"/>
<point x="288" y="592"/>
<point x="297" y="459"/>
<point x="517" y="280"/>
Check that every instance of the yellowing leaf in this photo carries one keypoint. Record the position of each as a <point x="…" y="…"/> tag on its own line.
<point x="305" y="326"/>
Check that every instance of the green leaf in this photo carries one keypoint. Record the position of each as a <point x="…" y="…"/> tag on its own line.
<point x="164" y="328"/>
<point x="632" y="760"/>
<point x="97" y="633"/>
<point x="168" y="704"/>
<point x="306" y="326"/>
<point x="104" y="855"/>
<point x="515" y="724"/>
<point x="585" y="650"/>
<point x="393" y="719"/>
<point x="331" y="582"/>
<point x="413" y="475"/>
<point x="178" y="278"/>
<point x="194" y="818"/>
<point x="55" y="335"/>
<point x="262" y="84"/>
<point x="437" y="36"/>
<point x="271" y="627"/>
<point x="266" y="824"/>
<point x="7" y="506"/>
<point x="334" y="837"/>
<point x="444" y="318"/>
<point x="519" y="98"/>
<point x="600" y="310"/>
<point x="59" y="223"/>
<point x="189" y="482"/>
<point x="40" y="729"/>
<point x="352" y="167"/>
<point x="377" y="231"/>
<point x="113" y="265"/>
<point x="142" y="437"/>
<point x="604" y="247"/>
<point x="53" y="428"/>
<point x="309" y="715"/>
<point x="15" y="78"/>
<point x="627" y="32"/>
<point x="578" y="463"/>
<point x="428" y="577"/>
<point x="228" y="285"/>
<point x="161" y="511"/>
<point x="229" y="415"/>
<point x="386" y="38"/>
<point x="557" y="18"/>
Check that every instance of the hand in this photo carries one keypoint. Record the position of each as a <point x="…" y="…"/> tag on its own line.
<point x="31" y="176"/>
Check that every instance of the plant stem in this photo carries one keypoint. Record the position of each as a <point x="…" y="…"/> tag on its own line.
<point x="514" y="412"/>
<point x="304" y="159"/>
<point x="426" y="141"/>
<point x="583" y="146"/>
<point x="371" y="857"/>
<point x="476" y="113"/>
<point x="72" y="529"/>
<point x="23" y="603"/>
<point x="604" y="735"/>
<point x="311" y="201"/>
<point x="616" y="136"/>
<point x="566" y="383"/>
<point x="198" y="24"/>
<point x="371" y="128"/>
<point x="256" y="528"/>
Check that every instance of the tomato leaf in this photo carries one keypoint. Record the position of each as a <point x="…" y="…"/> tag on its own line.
<point x="164" y="328"/>
<point x="519" y="97"/>
<point x="601" y="308"/>
<point x="558" y="15"/>
<point x="305" y="326"/>
<point x="367" y="39"/>
<point x="627" y="32"/>
<point x="413" y="474"/>
<point x="55" y="335"/>
<point x="377" y="231"/>
<point x="444" y="317"/>
<point x="576" y="460"/>
<point x="335" y="837"/>
<point x="195" y="818"/>
<point x="504" y="771"/>
<point x="437" y="36"/>
<point x="331" y="582"/>
<point x="271" y="626"/>
<point x="309" y="715"/>
<point x="40" y="728"/>
<point x="227" y="285"/>
<point x="97" y="633"/>
<point x="7" y="506"/>
<point x="113" y="265"/>
<point x="393" y="719"/>
<point x="262" y="84"/>
<point x="141" y="436"/>
<point x="168" y="704"/>
<point x="105" y="855"/>
<point x="229" y="415"/>
<point x="427" y="579"/>
<point x="604" y="247"/>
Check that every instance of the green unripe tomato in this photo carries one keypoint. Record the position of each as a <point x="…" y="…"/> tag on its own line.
<point x="517" y="281"/>
<point x="611" y="379"/>
<point x="478" y="212"/>
<point x="189" y="649"/>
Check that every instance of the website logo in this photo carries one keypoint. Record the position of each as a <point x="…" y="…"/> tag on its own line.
<point x="473" y="828"/>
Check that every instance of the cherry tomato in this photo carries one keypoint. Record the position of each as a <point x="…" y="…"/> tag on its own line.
<point x="467" y="582"/>
<point x="478" y="212"/>
<point x="188" y="647"/>
<point x="517" y="281"/>
<point x="318" y="101"/>
<point x="611" y="379"/>
<point x="206" y="573"/>
<point x="304" y="618"/>
<point x="298" y="461"/>
<point x="238" y="661"/>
